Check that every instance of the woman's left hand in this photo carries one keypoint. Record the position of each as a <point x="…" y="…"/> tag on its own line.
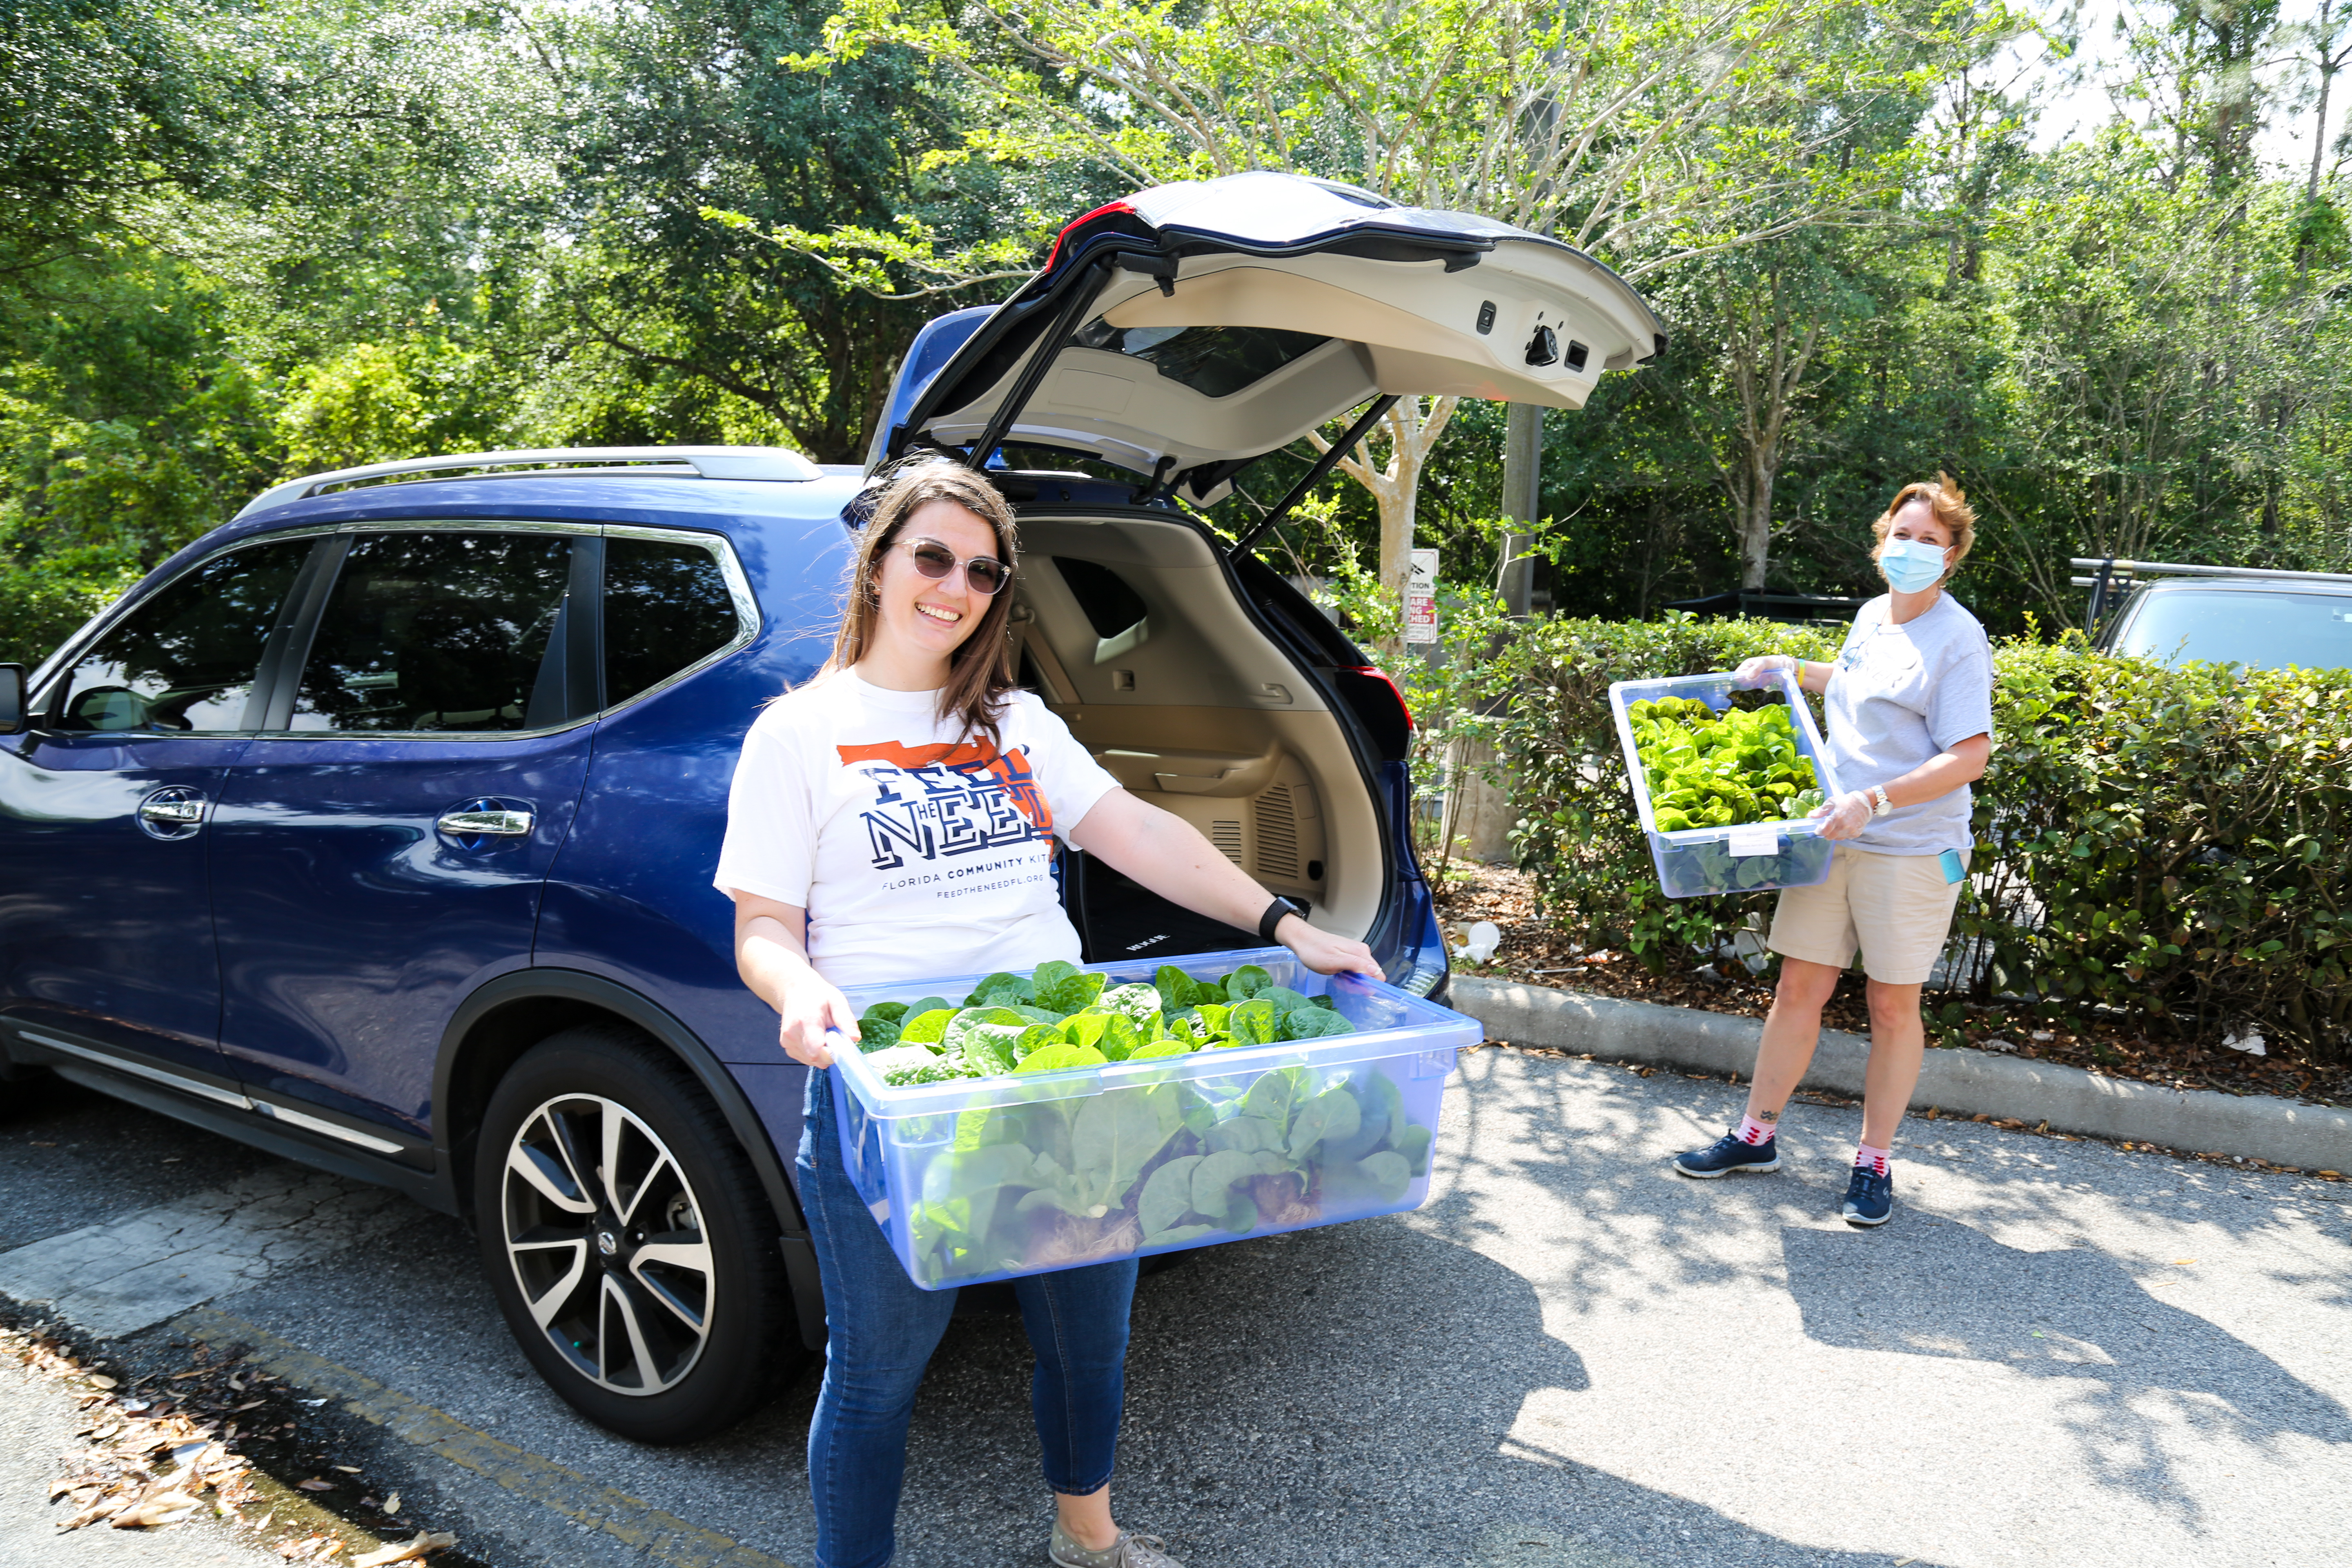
<point x="1323" y="952"/>
<point x="1846" y="815"/>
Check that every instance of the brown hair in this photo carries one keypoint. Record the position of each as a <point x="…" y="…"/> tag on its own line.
<point x="1948" y="502"/>
<point x="980" y="671"/>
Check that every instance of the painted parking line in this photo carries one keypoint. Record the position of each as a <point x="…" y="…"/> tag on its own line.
<point x="132" y="1273"/>
<point x="657" y="1536"/>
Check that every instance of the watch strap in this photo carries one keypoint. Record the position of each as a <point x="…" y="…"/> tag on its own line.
<point x="1273" y="917"/>
<point x="1882" y="805"/>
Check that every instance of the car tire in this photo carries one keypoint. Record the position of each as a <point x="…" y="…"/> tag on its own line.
<point x="628" y="1241"/>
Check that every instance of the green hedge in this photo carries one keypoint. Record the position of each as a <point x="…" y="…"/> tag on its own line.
<point x="2171" y="843"/>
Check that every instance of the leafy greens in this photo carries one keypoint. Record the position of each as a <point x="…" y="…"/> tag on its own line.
<point x="1062" y="1017"/>
<point x="1705" y="770"/>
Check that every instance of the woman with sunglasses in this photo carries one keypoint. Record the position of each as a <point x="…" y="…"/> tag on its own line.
<point x="893" y="819"/>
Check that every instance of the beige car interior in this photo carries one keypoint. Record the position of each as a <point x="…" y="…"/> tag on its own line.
<point x="1195" y="711"/>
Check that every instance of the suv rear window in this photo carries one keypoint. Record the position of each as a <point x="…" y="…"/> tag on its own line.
<point x="1111" y="607"/>
<point x="1213" y="361"/>
<point x="667" y="606"/>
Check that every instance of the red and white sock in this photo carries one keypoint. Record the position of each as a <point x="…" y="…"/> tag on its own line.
<point x="1866" y="1158"/>
<point x="1753" y="1132"/>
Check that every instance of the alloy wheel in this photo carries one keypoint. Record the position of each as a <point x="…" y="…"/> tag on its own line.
<point x="605" y="1234"/>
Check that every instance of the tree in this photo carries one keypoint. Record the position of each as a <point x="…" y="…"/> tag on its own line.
<point x="1647" y="133"/>
<point x="106" y="100"/>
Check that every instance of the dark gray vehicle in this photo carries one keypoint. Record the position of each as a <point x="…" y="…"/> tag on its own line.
<point x="2227" y="615"/>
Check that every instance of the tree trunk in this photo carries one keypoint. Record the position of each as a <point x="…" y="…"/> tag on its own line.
<point x="2319" y="118"/>
<point x="1412" y="432"/>
<point x="1755" y="515"/>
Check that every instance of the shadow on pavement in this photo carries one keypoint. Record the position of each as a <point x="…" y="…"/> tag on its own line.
<point x="2142" y="1364"/>
<point x="1339" y="1395"/>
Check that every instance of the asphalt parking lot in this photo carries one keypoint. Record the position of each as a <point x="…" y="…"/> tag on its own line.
<point x="2057" y="1352"/>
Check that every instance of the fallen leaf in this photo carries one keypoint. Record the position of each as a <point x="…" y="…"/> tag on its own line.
<point x="330" y="1549"/>
<point x="406" y="1551"/>
<point x="391" y="1503"/>
<point x="315" y="1485"/>
<point x="349" y="1469"/>
<point x="99" y="1380"/>
<point x="183" y="1376"/>
<point x="90" y="1515"/>
<point x="2184" y="1262"/>
<point x="157" y="1508"/>
<point x="248" y="1405"/>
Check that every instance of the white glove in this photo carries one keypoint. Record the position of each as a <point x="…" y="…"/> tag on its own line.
<point x="1846" y="815"/>
<point x="1758" y="670"/>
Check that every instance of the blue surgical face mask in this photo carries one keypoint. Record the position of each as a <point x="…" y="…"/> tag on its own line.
<point x="1911" y="564"/>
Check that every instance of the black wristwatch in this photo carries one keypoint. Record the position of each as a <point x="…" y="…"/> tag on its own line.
<point x="1272" y="918"/>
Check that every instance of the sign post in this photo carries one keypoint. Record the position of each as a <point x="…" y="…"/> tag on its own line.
<point x="1420" y="598"/>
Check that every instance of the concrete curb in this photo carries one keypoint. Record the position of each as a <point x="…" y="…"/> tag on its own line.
<point x="2200" y="1121"/>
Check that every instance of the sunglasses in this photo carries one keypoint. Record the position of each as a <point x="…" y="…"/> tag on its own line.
<point x="984" y="574"/>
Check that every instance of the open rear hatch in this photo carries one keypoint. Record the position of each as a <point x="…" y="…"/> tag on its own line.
<point x="1189" y="330"/>
<point x="1181" y="334"/>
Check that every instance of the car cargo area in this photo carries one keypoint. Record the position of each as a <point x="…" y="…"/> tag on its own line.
<point x="1128" y="628"/>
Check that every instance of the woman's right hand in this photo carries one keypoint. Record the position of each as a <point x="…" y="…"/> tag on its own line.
<point x="812" y="1009"/>
<point x="1754" y="672"/>
<point x="1846" y="815"/>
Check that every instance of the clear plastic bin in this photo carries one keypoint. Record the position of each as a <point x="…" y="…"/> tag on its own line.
<point x="1694" y="862"/>
<point x="984" y="1179"/>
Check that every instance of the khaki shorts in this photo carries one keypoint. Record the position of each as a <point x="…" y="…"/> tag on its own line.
<point x="1898" y="909"/>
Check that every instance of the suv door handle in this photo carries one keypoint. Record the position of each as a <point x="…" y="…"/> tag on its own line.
<point x="172" y="811"/>
<point x="500" y="822"/>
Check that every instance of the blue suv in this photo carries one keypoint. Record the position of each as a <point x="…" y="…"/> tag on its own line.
<point x="376" y="828"/>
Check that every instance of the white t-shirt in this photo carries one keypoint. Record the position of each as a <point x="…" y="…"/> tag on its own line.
<point x="1898" y="695"/>
<point x="916" y="852"/>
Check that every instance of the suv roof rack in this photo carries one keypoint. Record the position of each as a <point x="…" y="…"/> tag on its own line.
<point x="2116" y="568"/>
<point x="773" y="463"/>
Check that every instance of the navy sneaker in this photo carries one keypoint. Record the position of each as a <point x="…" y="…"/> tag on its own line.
<point x="1869" y="1197"/>
<point x="1727" y="1154"/>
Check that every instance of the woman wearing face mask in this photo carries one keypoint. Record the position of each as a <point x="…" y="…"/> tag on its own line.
<point x="916" y="721"/>
<point x="1910" y="727"/>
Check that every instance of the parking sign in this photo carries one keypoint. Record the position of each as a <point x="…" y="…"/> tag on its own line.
<point x="1421" y="598"/>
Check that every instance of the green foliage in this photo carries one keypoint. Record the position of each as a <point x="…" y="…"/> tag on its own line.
<point x="2170" y="842"/>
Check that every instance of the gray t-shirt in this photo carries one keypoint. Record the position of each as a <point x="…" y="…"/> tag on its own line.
<point x="1898" y="695"/>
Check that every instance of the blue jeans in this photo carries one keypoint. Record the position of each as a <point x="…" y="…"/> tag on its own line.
<point x="881" y="1330"/>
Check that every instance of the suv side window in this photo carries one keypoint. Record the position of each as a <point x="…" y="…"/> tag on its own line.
<point x="667" y="606"/>
<point x="435" y="631"/>
<point x="184" y="661"/>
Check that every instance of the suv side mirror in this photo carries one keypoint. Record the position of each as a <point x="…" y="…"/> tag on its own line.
<point x="12" y="698"/>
